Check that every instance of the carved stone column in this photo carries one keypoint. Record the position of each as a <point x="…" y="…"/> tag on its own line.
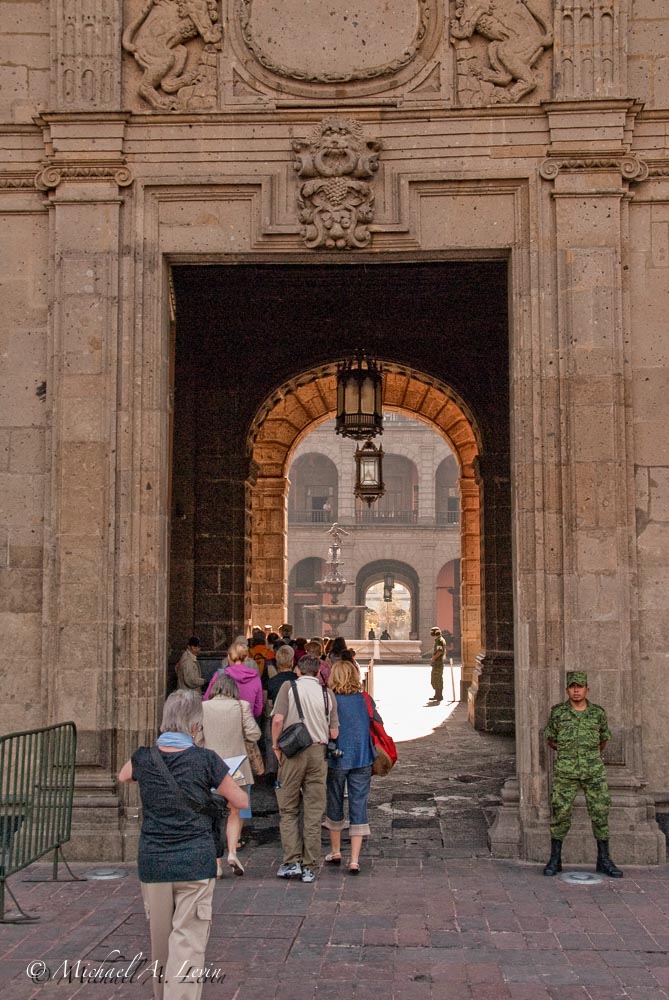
<point x="269" y="551"/>
<point x="595" y="530"/>
<point x="80" y="580"/>
<point x="86" y="36"/>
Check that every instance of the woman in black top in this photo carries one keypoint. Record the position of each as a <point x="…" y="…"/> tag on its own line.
<point x="177" y="853"/>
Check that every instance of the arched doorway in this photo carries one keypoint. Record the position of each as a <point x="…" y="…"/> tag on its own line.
<point x="284" y="420"/>
<point x="403" y="575"/>
<point x="445" y="351"/>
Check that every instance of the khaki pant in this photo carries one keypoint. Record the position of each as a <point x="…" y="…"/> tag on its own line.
<point x="179" y="915"/>
<point x="306" y="772"/>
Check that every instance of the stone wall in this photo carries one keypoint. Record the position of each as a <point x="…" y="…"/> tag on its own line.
<point x="552" y="170"/>
<point x="24" y="59"/>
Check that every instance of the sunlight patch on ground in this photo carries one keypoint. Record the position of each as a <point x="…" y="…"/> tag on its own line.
<point x="401" y="694"/>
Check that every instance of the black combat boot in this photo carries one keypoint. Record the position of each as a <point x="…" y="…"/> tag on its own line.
<point x="604" y="863"/>
<point x="555" y="861"/>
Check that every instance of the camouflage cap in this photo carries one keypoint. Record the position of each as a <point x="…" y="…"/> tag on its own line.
<point x="577" y="677"/>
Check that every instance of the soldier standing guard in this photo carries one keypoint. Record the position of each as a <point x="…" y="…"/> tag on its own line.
<point x="579" y="731"/>
<point x="437" y="661"/>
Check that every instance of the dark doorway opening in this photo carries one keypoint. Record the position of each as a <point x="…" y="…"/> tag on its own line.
<point x="245" y="329"/>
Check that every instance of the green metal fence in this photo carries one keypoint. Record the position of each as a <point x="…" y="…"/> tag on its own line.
<point x="36" y="789"/>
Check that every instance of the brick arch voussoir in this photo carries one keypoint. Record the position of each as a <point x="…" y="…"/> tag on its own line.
<point x="298" y="407"/>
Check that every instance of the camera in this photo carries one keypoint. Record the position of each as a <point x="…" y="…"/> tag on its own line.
<point x="332" y="751"/>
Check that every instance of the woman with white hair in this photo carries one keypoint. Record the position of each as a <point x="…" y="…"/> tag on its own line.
<point x="227" y="724"/>
<point x="177" y="850"/>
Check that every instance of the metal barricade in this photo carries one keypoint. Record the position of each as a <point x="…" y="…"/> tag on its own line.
<point x="36" y="791"/>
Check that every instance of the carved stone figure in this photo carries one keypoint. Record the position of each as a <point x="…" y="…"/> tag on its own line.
<point x="517" y="32"/>
<point x="156" y="39"/>
<point x="336" y="201"/>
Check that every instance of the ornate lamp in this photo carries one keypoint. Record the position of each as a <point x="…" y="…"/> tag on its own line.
<point x="359" y="398"/>
<point x="369" y="485"/>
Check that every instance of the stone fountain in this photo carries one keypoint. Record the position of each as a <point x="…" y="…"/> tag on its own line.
<point x="333" y="584"/>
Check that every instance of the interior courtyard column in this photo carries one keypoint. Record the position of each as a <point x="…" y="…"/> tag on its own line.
<point x="269" y="554"/>
<point x="80" y="596"/>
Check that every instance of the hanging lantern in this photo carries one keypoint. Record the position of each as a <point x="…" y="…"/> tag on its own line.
<point x="359" y="398"/>
<point x="369" y="485"/>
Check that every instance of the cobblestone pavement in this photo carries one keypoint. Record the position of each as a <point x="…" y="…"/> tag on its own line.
<point x="430" y="916"/>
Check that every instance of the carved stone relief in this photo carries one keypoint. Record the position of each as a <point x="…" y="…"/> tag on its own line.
<point x="88" y="73"/>
<point x="176" y="76"/>
<point x="325" y="49"/>
<point x="502" y="70"/>
<point x="335" y="199"/>
<point x="344" y="51"/>
<point x="587" y="57"/>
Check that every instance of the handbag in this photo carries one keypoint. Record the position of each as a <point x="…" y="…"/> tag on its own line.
<point x="386" y="751"/>
<point x="297" y="737"/>
<point x="252" y="751"/>
<point x="215" y="808"/>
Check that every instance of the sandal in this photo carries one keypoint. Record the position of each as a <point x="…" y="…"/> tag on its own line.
<point x="241" y="844"/>
<point x="235" y="864"/>
<point x="333" y="859"/>
<point x="354" y="868"/>
<point x="219" y="869"/>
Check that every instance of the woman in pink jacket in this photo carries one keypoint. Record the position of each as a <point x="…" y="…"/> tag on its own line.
<point x="246" y="678"/>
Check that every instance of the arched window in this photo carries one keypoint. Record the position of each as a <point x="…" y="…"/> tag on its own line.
<point x="399" y="505"/>
<point x="313" y="490"/>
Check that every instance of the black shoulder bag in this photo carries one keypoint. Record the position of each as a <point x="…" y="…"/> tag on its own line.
<point x="297" y="737"/>
<point x="214" y="808"/>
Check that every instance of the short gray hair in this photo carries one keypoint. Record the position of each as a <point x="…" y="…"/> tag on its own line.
<point x="309" y="665"/>
<point x="182" y="711"/>
<point x="284" y="657"/>
<point x="225" y="686"/>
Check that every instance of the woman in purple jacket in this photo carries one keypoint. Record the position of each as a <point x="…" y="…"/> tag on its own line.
<point x="247" y="678"/>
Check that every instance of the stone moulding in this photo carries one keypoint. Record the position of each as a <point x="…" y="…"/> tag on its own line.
<point x="426" y="13"/>
<point x="631" y="168"/>
<point x="17" y="181"/>
<point x="51" y="175"/>
<point x="335" y="200"/>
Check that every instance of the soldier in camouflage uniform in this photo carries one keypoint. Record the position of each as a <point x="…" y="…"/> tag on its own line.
<point x="437" y="661"/>
<point x="579" y="731"/>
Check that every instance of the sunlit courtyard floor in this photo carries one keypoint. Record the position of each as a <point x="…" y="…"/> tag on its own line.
<point x="402" y="693"/>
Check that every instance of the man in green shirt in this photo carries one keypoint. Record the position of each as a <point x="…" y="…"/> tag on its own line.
<point x="579" y="731"/>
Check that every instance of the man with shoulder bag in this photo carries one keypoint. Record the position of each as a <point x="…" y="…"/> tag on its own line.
<point x="304" y="720"/>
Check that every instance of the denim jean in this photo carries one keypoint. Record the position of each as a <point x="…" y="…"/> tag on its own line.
<point x="358" y="780"/>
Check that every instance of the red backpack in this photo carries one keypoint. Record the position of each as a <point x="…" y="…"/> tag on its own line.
<point x="386" y="751"/>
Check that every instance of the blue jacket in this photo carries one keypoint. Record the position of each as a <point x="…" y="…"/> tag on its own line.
<point x="354" y="738"/>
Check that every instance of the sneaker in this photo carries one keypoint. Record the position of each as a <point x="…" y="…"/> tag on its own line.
<point x="293" y="870"/>
<point x="308" y="875"/>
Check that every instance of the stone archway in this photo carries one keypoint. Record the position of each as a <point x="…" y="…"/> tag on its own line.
<point x="404" y="574"/>
<point x="294" y="410"/>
